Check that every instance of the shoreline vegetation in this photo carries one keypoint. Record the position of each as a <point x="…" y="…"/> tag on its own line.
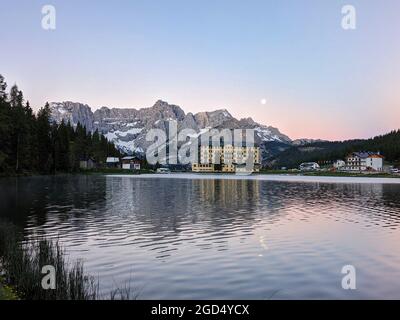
<point x="21" y="269"/>
<point x="331" y="174"/>
<point x="111" y="171"/>
<point x="78" y="172"/>
<point x="119" y="171"/>
<point x="21" y="275"/>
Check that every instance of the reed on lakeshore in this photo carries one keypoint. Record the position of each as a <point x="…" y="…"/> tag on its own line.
<point x="21" y="266"/>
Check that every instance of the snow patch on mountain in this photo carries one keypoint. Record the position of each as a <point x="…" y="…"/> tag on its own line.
<point x="127" y="127"/>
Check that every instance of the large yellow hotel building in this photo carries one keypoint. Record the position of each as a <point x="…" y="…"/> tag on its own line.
<point x="226" y="158"/>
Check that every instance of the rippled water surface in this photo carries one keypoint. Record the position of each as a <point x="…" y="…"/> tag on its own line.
<point x="197" y="238"/>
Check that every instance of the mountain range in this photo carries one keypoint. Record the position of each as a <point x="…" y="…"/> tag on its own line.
<point x="127" y="127"/>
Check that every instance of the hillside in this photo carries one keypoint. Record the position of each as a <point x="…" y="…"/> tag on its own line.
<point x="388" y="145"/>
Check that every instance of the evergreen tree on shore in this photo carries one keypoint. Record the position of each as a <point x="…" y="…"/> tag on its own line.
<point x="32" y="143"/>
<point x="43" y="139"/>
<point x="327" y="152"/>
<point x="5" y="118"/>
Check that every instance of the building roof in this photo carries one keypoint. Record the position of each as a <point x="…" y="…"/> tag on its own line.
<point x="221" y="144"/>
<point x="130" y="158"/>
<point x="376" y="156"/>
<point x="366" y="154"/>
<point x="309" y="164"/>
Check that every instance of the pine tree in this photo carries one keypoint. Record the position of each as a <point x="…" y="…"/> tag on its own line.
<point x="29" y="158"/>
<point x="62" y="149"/>
<point x="43" y="136"/>
<point x="5" y="121"/>
<point x="3" y="87"/>
<point x="19" y="128"/>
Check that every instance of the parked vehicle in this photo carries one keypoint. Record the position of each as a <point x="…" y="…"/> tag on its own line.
<point x="163" y="170"/>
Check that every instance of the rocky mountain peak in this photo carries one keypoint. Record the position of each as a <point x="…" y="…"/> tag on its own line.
<point x="127" y="127"/>
<point x="247" y="121"/>
<point x="167" y="110"/>
<point x="73" y="112"/>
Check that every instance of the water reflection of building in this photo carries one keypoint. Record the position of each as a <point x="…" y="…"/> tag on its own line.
<point x="229" y="191"/>
<point x="356" y="189"/>
<point x="164" y="207"/>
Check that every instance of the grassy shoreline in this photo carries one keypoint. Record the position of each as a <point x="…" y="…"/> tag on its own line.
<point x="7" y="292"/>
<point x="118" y="171"/>
<point x="329" y="174"/>
<point x="21" y="266"/>
<point x="79" y="172"/>
<point x="111" y="171"/>
<point x="21" y="274"/>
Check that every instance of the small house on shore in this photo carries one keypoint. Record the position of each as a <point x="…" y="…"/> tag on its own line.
<point x="113" y="162"/>
<point x="87" y="164"/>
<point x="309" y="166"/>
<point x="131" y="163"/>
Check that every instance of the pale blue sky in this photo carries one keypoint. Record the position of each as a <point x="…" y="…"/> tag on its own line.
<point x="319" y="80"/>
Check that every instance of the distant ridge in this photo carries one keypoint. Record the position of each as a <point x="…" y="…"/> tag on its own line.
<point x="127" y="127"/>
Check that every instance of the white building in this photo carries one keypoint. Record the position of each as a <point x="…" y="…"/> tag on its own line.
<point x="339" y="164"/>
<point x="227" y="158"/>
<point x="309" y="166"/>
<point x="364" y="161"/>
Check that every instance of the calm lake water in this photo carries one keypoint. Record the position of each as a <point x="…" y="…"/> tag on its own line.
<point x="197" y="238"/>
